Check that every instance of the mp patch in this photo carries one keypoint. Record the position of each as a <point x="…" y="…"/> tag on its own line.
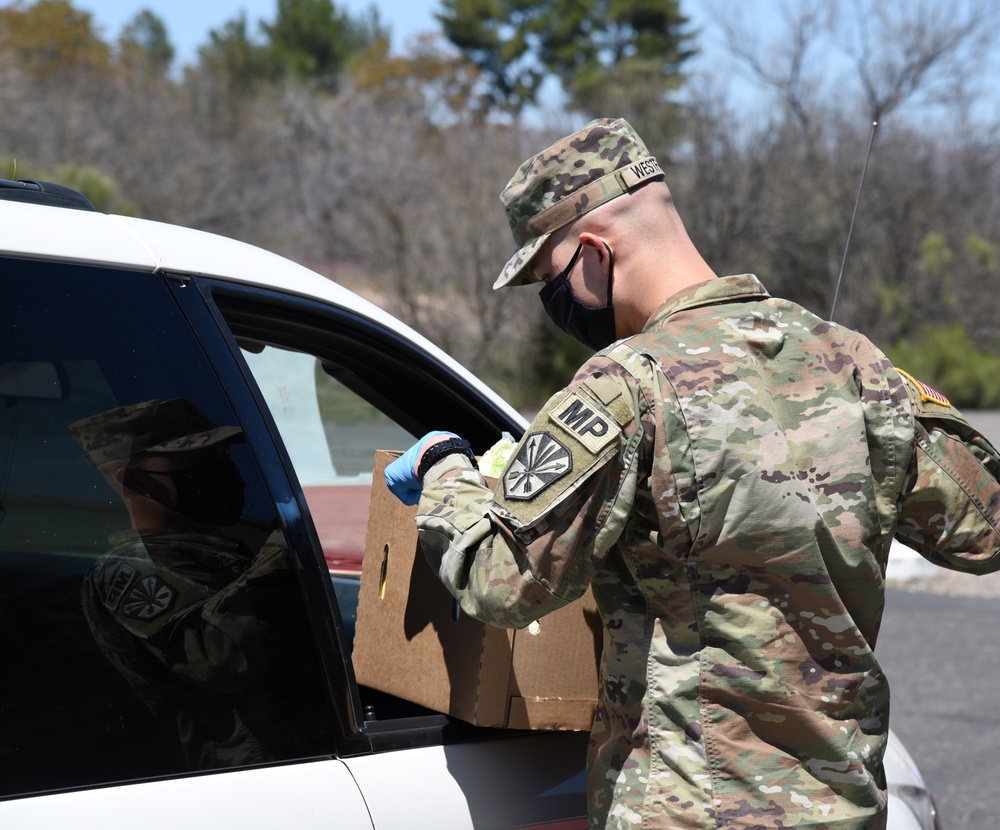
<point x="120" y="582"/>
<point x="579" y="417"/>
<point x="540" y="461"/>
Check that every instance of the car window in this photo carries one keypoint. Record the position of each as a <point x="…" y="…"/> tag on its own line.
<point x="153" y="619"/>
<point x="331" y="435"/>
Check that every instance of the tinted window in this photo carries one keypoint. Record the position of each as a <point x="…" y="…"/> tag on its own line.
<point x="153" y="622"/>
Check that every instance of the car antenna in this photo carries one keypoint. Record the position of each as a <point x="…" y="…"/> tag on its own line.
<point x="850" y="230"/>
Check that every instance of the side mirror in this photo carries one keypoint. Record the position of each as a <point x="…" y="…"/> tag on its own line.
<point x="35" y="380"/>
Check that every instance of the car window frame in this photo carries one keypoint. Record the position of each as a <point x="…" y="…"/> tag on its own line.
<point x="210" y="329"/>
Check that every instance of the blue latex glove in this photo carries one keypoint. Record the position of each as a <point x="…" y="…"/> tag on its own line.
<point x="401" y="474"/>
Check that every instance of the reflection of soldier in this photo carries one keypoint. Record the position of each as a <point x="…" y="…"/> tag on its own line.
<point x="199" y="626"/>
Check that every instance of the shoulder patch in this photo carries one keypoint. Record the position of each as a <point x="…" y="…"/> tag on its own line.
<point x="541" y="460"/>
<point x="114" y="586"/>
<point x="927" y="394"/>
<point x="579" y="418"/>
<point x="148" y="599"/>
<point x="573" y="437"/>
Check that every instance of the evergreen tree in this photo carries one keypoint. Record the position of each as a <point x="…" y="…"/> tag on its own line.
<point x="622" y="54"/>
<point x="144" y="42"/>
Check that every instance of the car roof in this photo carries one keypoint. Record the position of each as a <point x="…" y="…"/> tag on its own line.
<point x="84" y="237"/>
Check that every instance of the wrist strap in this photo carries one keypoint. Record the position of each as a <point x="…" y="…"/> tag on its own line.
<point x="439" y="450"/>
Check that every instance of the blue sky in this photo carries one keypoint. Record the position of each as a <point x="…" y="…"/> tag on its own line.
<point x="189" y="21"/>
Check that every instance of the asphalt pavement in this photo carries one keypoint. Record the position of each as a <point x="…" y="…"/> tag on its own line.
<point x="941" y="654"/>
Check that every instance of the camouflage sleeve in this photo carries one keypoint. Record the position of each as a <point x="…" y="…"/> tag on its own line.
<point x="532" y="544"/>
<point x="950" y="508"/>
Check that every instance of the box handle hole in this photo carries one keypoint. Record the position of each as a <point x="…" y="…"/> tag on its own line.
<point x="383" y="572"/>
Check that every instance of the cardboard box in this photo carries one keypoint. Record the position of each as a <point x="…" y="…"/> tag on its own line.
<point x="409" y="643"/>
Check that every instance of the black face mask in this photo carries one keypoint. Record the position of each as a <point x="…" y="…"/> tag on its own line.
<point x="593" y="326"/>
<point x="210" y="492"/>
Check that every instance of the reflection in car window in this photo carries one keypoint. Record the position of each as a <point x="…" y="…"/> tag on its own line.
<point x="153" y="620"/>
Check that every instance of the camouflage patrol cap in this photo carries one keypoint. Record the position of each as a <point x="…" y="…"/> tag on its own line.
<point x="575" y="175"/>
<point x="155" y="426"/>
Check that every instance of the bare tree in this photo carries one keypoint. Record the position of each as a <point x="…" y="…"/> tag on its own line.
<point x="920" y="51"/>
<point x="794" y="173"/>
<point x="783" y="65"/>
<point x="425" y="219"/>
<point x="892" y="53"/>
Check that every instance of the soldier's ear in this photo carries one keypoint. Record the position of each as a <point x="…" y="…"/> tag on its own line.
<point x="601" y="246"/>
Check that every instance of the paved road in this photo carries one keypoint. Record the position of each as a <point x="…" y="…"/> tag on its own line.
<point x="942" y="656"/>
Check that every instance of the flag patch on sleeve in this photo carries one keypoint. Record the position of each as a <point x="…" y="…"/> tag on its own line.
<point x="927" y="393"/>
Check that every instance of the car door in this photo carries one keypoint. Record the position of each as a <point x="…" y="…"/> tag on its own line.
<point x="165" y="675"/>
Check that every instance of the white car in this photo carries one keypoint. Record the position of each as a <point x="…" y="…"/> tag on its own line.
<point x="157" y="694"/>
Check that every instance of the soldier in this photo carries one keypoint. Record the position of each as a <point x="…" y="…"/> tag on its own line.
<point x="208" y="633"/>
<point x="727" y="473"/>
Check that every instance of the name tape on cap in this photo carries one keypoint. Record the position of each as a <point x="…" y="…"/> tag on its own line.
<point x="635" y="174"/>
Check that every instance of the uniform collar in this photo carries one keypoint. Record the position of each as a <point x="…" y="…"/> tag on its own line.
<point x="712" y="292"/>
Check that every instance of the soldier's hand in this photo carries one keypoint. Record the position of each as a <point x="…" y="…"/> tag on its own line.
<point x="401" y="474"/>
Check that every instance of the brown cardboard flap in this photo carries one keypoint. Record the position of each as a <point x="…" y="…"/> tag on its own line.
<point x="409" y="643"/>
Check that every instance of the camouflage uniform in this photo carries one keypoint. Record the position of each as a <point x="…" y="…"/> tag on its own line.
<point x="728" y="481"/>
